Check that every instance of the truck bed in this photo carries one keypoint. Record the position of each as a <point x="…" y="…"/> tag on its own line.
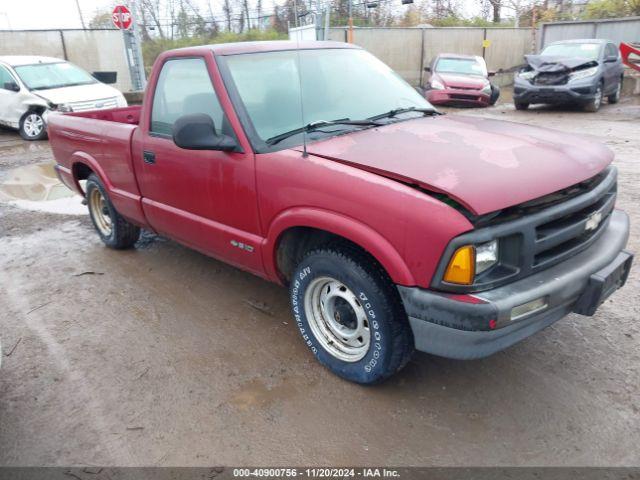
<point x="101" y="139"/>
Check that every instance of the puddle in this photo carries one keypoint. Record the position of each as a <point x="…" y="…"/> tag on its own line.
<point x="37" y="188"/>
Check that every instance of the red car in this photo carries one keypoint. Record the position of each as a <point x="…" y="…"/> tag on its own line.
<point x="460" y="80"/>
<point x="395" y="228"/>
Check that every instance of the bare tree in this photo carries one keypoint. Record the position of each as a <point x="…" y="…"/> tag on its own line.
<point x="152" y="7"/>
<point x="519" y="7"/>
<point x="496" y="5"/>
<point x="228" y="12"/>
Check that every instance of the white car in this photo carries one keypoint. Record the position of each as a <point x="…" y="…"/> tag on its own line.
<point x="31" y="87"/>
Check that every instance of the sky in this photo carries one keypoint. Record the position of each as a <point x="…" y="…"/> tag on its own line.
<point x="44" y="14"/>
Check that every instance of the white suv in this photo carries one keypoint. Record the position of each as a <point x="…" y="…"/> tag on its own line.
<point x="30" y="87"/>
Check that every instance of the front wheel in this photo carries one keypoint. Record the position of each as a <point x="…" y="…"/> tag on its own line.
<point x="521" y="106"/>
<point x="114" y="230"/>
<point x="350" y="315"/>
<point x="594" y="105"/>
<point x="32" y="126"/>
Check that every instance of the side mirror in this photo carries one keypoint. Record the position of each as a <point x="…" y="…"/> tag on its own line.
<point x="197" y="132"/>
<point x="611" y="59"/>
<point x="492" y="73"/>
<point x="12" y="86"/>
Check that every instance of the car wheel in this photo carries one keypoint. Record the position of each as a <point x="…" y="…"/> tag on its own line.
<point x="495" y="94"/>
<point x="114" y="230"/>
<point x="350" y="314"/>
<point x="615" y="98"/>
<point x="32" y="126"/>
<point x="521" y="106"/>
<point x="594" y="105"/>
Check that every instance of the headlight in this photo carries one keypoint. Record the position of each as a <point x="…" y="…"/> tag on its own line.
<point x="436" y="85"/>
<point x="486" y="256"/>
<point x="471" y="260"/>
<point x="487" y="89"/>
<point x="64" y="107"/>
<point x="587" y="72"/>
<point x="528" y="75"/>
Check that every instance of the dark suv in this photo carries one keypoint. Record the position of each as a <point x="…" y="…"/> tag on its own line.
<point x="571" y="71"/>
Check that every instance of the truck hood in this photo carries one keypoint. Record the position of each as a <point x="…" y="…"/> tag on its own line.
<point x="78" y="93"/>
<point x="485" y="165"/>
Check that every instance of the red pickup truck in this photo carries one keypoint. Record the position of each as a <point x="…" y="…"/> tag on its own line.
<point x="395" y="228"/>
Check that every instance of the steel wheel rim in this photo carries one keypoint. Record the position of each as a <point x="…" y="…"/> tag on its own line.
<point x="618" y="90"/>
<point x="33" y="125"/>
<point x="100" y="212"/>
<point x="598" y="99"/>
<point x="337" y="319"/>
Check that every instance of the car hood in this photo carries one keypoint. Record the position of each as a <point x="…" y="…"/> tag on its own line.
<point x="78" y="93"/>
<point x="485" y="165"/>
<point x="452" y="80"/>
<point x="548" y="63"/>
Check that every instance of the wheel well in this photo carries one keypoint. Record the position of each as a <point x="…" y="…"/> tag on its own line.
<point x="80" y="171"/>
<point x="295" y="242"/>
<point x="35" y="108"/>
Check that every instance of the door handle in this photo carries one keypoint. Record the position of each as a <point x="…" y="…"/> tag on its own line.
<point x="149" y="157"/>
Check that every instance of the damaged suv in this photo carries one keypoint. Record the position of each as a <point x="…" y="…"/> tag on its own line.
<point x="572" y="71"/>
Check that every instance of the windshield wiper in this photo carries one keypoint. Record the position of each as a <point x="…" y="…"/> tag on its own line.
<point x="396" y="111"/>
<point x="319" y="124"/>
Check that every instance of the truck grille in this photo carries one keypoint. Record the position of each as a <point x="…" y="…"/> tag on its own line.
<point x="540" y="233"/>
<point x="99" y="104"/>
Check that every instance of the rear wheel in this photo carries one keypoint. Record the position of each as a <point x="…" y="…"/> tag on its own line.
<point x="350" y="314"/>
<point x="114" y="230"/>
<point x="615" y="98"/>
<point x="594" y="105"/>
<point x="32" y="126"/>
<point x="521" y="106"/>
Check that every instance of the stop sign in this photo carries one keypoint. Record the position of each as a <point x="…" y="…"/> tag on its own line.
<point x="121" y="17"/>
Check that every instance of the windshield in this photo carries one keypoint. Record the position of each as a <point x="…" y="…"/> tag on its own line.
<point x="464" y="66"/>
<point x="335" y="84"/>
<point x="589" y="51"/>
<point x="41" y="76"/>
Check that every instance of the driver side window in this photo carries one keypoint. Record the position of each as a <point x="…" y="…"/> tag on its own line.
<point x="184" y="87"/>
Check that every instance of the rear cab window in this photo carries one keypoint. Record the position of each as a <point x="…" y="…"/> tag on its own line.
<point x="184" y="87"/>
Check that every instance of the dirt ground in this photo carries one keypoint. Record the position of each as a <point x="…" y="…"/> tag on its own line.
<point x="162" y="356"/>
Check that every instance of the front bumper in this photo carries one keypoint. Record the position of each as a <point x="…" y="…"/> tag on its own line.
<point x="452" y="96"/>
<point x="440" y="321"/>
<point x="574" y="92"/>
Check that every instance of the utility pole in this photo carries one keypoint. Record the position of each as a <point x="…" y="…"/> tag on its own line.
<point x="350" y="33"/>
<point x="84" y="27"/>
<point x="327" y="13"/>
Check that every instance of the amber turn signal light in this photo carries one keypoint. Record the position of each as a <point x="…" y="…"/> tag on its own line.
<point x="461" y="267"/>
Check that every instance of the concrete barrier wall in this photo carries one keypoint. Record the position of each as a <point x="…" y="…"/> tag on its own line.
<point x="617" y="29"/>
<point x="409" y="50"/>
<point x="93" y="50"/>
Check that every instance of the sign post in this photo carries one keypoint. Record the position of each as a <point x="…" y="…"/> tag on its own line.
<point x="123" y="20"/>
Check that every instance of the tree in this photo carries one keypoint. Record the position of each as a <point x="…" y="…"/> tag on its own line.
<point x="612" y="8"/>
<point x="496" y="5"/>
<point x="101" y="20"/>
<point x="228" y="12"/>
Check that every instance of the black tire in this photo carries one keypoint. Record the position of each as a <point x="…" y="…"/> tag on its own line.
<point x="495" y="94"/>
<point x="521" y="106"/>
<point x="595" y="104"/>
<point x="391" y="339"/>
<point x="615" y="97"/>
<point x="28" y="126"/>
<point x="122" y="234"/>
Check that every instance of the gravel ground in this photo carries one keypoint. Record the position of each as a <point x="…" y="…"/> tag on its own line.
<point x="162" y="356"/>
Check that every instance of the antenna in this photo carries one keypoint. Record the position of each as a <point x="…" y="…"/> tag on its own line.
<point x="304" y="132"/>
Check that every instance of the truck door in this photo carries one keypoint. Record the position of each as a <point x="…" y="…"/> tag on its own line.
<point x="203" y="198"/>
<point x="9" y="99"/>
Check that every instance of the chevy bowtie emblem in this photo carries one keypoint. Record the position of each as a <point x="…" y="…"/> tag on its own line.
<point x="593" y="221"/>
